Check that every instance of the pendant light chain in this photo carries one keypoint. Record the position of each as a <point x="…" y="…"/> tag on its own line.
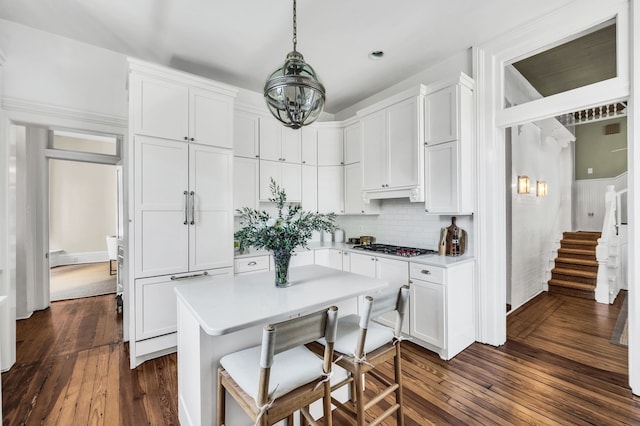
<point x="295" y="31"/>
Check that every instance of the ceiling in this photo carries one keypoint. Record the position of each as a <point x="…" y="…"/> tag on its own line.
<point x="240" y="42"/>
<point x="577" y="63"/>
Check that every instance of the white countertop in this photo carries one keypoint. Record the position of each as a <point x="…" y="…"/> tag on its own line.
<point x="234" y="303"/>
<point x="430" y="259"/>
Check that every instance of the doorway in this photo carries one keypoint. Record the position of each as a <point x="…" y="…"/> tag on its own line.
<point x="493" y="117"/>
<point x="71" y="181"/>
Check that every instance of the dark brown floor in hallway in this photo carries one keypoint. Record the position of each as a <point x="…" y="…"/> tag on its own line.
<point x="557" y="368"/>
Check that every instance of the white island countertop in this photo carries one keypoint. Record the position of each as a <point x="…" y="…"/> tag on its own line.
<point x="235" y="303"/>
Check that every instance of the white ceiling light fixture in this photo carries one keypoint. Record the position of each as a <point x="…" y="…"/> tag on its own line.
<point x="293" y="92"/>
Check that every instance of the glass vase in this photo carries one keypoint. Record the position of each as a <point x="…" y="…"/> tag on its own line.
<point x="281" y="261"/>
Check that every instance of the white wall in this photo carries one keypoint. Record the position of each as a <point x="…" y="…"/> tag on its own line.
<point x="537" y="222"/>
<point x="401" y="222"/>
<point x="82" y="209"/>
<point x="589" y="207"/>
<point x="450" y="67"/>
<point x="50" y="69"/>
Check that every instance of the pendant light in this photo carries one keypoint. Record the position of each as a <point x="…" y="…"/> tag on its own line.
<point x="293" y="92"/>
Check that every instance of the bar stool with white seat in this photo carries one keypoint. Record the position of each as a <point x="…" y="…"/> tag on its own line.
<point x="272" y="381"/>
<point x="366" y="345"/>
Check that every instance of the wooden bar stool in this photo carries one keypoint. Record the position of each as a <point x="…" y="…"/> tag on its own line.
<point x="364" y="346"/>
<point x="272" y="381"/>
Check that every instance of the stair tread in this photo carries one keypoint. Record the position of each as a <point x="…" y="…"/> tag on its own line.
<point x="576" y="251"/>
<point x="574" y="261"/>
<point x="574" y="272"/>
<point x="579" y="242"/>
<point x="571" y="284"/>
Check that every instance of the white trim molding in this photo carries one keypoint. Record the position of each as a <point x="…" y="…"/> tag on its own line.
<point x="59" y="258"/>
<point x="58" y="111"/>
<point x="492" y="118"/>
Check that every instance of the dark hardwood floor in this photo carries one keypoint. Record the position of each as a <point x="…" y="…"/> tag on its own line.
<point x="557" y="367"/>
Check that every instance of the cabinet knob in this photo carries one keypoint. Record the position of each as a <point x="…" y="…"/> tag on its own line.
<point x="186" y="138"/>
<point x="193" y="139"/>
<point x="304" y="162"/>
<point x="426" y="272"/>
<point x="257" y="156"/>
<point x="362" y="211"/>
<point x="373" y="258"/>
<point x="426" y="210"/>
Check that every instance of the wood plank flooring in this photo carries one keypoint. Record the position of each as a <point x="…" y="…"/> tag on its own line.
<point x="557" y="367"/>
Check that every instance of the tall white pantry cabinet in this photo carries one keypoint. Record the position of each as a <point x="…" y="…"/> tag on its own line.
<point x="181" y="190"/>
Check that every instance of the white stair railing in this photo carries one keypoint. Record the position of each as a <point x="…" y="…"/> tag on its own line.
<point x="607" y="250"/>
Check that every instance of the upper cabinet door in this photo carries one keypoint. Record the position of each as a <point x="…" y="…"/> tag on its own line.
<point x="374" y="167"/>
<point x="309" y="146"/>
<point x="270" y="136"/>
<point x="330" y="147"/>
<point x="246" y="183"/>
<point x="352" y="143"/>
<point x="245" y="135"/>
<point x="291" y="145"/>
<point x="210" y="118"/>
<point x="404" y="144"/>
<point x="291" y="178"/>
<point x="162" y="108"/>
<point x="441" y="116"/>
<point x="442" y="191"/>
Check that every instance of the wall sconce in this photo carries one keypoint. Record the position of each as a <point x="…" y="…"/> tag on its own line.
<point x="541" y="188"/>
<point x="523" y="185"/>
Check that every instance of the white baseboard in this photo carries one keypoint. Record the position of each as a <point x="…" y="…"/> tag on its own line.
<point x="57" y="259"/>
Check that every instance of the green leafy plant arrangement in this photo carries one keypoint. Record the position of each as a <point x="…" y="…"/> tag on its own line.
<point x="291" y="228"/>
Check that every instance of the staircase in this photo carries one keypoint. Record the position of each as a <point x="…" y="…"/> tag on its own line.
<point x="576" y="268"/>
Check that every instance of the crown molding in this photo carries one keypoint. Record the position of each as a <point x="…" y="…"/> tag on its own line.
<point x="57" y="111"/>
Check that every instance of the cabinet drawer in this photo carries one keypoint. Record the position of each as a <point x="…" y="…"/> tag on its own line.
<point x="156" y="312"/>
<point x="252" y="264"/>
<point x="433" y="274"/>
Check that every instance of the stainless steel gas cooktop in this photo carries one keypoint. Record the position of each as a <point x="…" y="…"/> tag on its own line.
<point x="395" y="250"/>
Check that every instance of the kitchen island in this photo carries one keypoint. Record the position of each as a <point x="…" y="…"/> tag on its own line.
<point x="228" y="315"/>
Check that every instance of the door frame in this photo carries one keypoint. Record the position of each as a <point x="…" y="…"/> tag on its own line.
<point x="492" y="118"/>
<point x="49" y="116"/>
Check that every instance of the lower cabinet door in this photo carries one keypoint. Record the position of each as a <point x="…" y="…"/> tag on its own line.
<point x="427" y="312"/>
<point x="156" y="300"/>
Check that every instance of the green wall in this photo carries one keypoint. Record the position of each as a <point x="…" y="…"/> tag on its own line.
<point x="593" y="149"/>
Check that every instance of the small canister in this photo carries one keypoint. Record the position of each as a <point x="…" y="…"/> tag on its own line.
<point x="338" y="236"/>
<point x="327" y="237"/>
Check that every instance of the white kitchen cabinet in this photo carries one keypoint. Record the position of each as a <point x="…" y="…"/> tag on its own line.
<point x="441" y="115"/>
<point x="396" y="272"/>
<point x="353" y="202"/>
<point x="252" y="264"/>
<point x="309" y="188"/>
<point x="373" y="155"/>
<point x="393" y="150"/>
<point x="288" y="176"/>
<point x="330" y="146"/>
<point x="309" y="137"/>
<point x="301" y="258"/>
<point x="352" y="143"/>
<point x="449" y="153"/>
<point x="279" y="143"/>
<point x="246" y="177"/>
<point x="246" y="134"/>
<point x="173" y="110"/>
<point x="331" y="189"/>
<point x="181" y="193"/>
<point x="442" y="307"/>
<point x="331" y="258"/>
<point x="183" y="207"/>
<point x="156" y="301"/>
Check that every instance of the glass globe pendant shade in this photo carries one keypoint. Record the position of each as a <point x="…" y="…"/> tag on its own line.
<point x="293" y="92"/>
